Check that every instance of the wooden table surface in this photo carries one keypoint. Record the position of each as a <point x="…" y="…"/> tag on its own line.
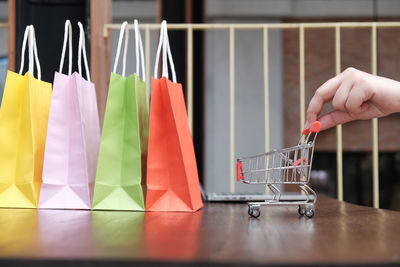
<point x="219" y="234"/>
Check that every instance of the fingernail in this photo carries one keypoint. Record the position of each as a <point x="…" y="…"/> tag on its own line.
<point x="307" y="126"/>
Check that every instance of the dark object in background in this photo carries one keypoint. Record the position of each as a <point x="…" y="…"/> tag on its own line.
<point x="48" y="18"/>
<point x="357" y="177"/>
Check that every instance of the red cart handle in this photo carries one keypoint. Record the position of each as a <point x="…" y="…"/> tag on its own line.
<point x="301" y="161"/>
<point x="315" y="128"/>
<point x="239" y="171"/>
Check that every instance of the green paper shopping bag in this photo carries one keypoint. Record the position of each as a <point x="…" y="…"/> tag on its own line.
<point x="121" y="169"/>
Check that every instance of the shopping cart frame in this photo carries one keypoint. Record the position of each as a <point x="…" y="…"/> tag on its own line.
<point x="279" y="167"/>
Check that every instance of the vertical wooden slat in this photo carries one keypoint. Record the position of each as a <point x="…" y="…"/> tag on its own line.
<point x="375" y="149"/>
<point x="266" y="94"/>
<point x="266" y="87"/>
<point x="159" y="11"/>
<point x="302" y="76"/>
<point x="190" y="76"/>
<point x="189" y="11"/>
<point x="302" y="80"/>
<point x="11" y="34"/>
<point x="232" y="107"/>
<point x="100" y="60"/>
<point x="339" y="147"/>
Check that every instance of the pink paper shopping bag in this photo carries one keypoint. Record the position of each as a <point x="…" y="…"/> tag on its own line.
<point x="73" y="136"/>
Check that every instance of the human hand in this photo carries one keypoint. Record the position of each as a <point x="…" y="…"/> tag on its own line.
<point x="355" y="95"/>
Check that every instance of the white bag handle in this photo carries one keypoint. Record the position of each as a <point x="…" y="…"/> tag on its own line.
<point x="21" y="66"/>
<point x="124" y="30"/>
<point x="67" y="33"/>
<point x="164" y="44"/>
<point x="29" y="36"/>
<point x="171" y="61"/>
<point x="160" y="45"/>
<point x="139" y="48"/>
<point x="164" y="51"/>
<point x="82" y="48"/>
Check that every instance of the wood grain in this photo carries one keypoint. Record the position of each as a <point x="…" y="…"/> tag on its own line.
<point x="11" y="34"/>
<point x="100" y="65"/>
<point x="340" y="233"/>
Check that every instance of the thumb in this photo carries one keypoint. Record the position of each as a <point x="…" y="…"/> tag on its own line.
<point x="334" y="118"/>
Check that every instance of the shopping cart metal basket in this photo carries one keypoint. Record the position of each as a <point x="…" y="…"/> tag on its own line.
<point x="279" y="167"/>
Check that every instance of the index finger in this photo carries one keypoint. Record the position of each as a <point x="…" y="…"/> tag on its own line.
<point x="324" y="94"/>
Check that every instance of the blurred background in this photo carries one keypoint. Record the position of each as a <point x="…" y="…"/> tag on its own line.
<point x="211" y="77"/>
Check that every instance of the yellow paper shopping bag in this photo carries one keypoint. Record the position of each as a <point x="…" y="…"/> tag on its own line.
<point x="23" y="124"/>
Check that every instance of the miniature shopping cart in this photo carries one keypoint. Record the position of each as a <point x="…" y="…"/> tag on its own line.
<point x="279" y="167"/>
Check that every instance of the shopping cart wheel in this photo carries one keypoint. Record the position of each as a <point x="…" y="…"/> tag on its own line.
<point x="309" y="213"/>
<point x="302" y="210"/>
<point x="250" y="211"/>
<point x="254" y="211"/>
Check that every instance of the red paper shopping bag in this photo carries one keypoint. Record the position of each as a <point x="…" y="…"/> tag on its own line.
<point x="172" y="178"/>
